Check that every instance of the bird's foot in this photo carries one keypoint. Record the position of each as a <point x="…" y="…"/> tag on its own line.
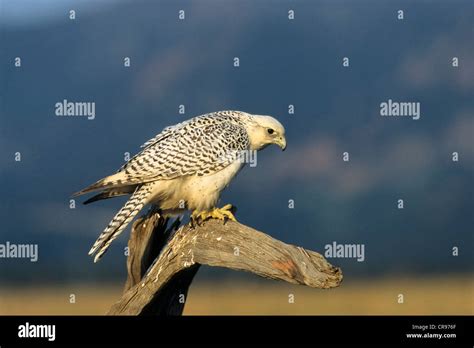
<point x="225" y="213"/>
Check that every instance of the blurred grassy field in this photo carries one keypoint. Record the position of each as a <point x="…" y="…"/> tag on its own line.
<point x="440" y="295"/>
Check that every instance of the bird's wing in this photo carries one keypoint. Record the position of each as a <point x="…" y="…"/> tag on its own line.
<point x="198" y="121"/>
<point x="197" y="148"/>
<point x="200" y="146"/>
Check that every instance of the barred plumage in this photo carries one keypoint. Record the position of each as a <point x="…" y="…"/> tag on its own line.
<point x="136" y="202"/>
<point x="185" y="167"/>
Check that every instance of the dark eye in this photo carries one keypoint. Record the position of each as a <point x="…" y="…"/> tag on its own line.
<point x="270" y="131"/>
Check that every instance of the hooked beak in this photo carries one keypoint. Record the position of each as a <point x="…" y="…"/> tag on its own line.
<point x="281" y="141"/>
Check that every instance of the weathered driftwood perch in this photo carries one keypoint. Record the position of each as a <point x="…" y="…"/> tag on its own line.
<point x="163" y="260"/>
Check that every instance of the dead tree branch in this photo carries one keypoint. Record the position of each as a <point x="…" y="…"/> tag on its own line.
<point x="172" y="258"/>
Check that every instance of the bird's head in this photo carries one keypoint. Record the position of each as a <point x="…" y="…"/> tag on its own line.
<point x="264" y="131"/>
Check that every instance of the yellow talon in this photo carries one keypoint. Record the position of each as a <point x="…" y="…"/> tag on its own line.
<point x="225" y="213"/>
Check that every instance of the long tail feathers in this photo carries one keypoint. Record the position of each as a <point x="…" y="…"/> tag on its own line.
<point x="111" y="182"/>
<point x="98" y="185"/>
<point x="106" y="194"/>
<point x="121" y="220"/>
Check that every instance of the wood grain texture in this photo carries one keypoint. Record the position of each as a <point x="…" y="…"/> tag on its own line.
<point x="173" y="255"/>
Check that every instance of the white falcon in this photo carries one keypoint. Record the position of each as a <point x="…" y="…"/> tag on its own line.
<point x="185" y="168"/>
